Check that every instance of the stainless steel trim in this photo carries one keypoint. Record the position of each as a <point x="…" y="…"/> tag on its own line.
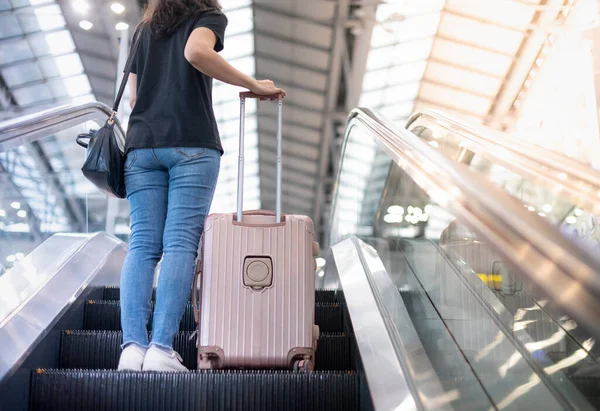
<point x="20" y="333"/>
<point x="279" y="171"/>
<point x="552" y="169"/>
<point x="36" y="126"/>
<point x="402" y="333"/>
<point x="564" y="271"/>
<point x="240" y="180"/>
<point x="30" y="274"/>
<point x="386" y="379"/>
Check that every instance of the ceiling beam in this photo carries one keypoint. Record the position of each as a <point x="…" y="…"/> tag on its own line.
<point x="291" y="40"/>
<point x="523" y="62"/>
<point x="277" y="59"/>
<point x="267" y="8"/>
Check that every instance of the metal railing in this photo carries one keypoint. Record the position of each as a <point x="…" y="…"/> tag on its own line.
<point x="579" y="181"/>
<point x="33" y="127"/>
<point x="565" y="272"/>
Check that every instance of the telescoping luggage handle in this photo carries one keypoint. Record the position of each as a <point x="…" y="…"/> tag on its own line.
<point x="240" y="189"/>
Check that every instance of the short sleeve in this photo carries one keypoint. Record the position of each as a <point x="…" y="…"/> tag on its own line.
<point x="217" y="22"/>
<point x="134" y="62"/>
<point x="134" y="66"/>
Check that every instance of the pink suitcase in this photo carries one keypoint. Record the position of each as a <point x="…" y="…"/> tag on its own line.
<point x="257" y="288"/>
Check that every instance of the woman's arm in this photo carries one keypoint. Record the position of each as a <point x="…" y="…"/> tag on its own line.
<point x="132" y="82"/>
<point x="199" y="52"/>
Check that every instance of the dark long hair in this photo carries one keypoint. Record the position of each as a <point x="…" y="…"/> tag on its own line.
<point x="165" y="16"/>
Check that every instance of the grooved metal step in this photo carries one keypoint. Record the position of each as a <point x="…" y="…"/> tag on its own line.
<point x="321" y="296"/>
<point x="329" y="317"/>
<point x="101" y="350"/>
<point x="215" y="390"/>
<point x="326" y="296"/>
<point x="106" y="315"/>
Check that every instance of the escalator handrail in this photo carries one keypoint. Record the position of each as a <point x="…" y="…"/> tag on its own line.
<point x="540" y="156"/>
<point x="29" y="128"/>
<point x="563" y="270"/>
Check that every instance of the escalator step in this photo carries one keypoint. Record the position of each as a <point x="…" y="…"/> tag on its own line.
<point x="333" y="352"/>
<point x="114" y="293"/>
<point x="329" y="317"/>
<point x="326" y="296"/>
<point x="106" y="315"/>
<point x="101" y="350"/>
<point x="321" y="296"/>
<point x="216" y="390"/>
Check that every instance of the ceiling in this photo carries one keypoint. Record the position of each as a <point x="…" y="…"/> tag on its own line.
<point x="457" y="56"/>
<point x="469" y="58"/>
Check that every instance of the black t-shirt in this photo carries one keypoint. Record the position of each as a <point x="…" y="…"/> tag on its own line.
<point x="174" y="100"/>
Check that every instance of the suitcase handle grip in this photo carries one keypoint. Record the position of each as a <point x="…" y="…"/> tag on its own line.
<point x="249" y="94"/>
<point x="240" y="179"/>
<point x="260" y="212"/>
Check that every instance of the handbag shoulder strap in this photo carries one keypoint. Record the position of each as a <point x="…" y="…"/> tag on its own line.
<point x="137" y="36"/>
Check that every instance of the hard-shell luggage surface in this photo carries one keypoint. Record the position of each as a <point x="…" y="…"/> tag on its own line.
<point x="257" y="283"/>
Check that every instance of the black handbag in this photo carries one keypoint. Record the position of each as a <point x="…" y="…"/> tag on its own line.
<point x="105" y="162"/>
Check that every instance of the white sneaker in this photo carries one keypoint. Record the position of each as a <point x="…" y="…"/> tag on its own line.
<point x="158" y="359"/>
<point x="132" y="358"/>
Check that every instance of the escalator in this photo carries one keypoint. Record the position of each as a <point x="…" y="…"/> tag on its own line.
<point x="558" y="189"/>
<point x="439" y="291"/>
<point x="85" y="355"/>
<point x="491" y="288"/>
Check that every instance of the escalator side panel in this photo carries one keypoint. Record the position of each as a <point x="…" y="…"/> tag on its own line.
<point x="453" y="370"/>
<point x="500" y="366"/>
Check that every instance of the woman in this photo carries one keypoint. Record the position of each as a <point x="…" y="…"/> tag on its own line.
<point x="172" y="163"/>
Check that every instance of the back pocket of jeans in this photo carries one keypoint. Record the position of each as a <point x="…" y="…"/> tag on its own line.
<point x="130" y="159"/>
<point x="191" y="152"/>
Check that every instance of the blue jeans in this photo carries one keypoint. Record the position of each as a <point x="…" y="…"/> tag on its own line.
<point x="169" y="192"/>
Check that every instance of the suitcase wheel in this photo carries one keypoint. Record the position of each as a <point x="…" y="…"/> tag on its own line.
<point x="303" y="365"/>
<point x="205" y="363"/>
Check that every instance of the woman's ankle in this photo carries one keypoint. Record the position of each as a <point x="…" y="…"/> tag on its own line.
<point x="163" y="348"/>
<point x="136" y="345"/>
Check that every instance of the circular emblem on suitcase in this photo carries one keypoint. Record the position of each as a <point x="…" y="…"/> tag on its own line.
<point x="257" y="271"/>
